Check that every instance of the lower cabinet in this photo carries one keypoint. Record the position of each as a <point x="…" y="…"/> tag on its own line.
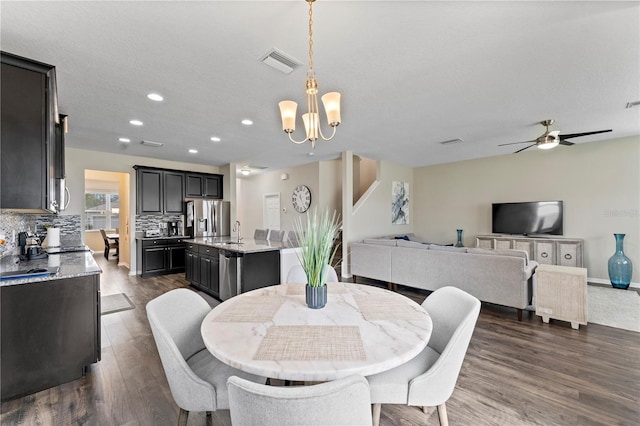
<point x="162" y="256"/>
<point x="50" y="333"/>
<point x="202" y="268"/>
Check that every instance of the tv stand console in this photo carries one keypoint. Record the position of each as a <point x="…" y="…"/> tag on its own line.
<point x="549" y="251"/>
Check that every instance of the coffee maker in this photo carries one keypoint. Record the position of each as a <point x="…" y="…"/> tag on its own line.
<point x="30" y="248"/>
<point x="174" y="228"/>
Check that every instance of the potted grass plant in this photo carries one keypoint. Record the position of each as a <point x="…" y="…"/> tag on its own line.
<point x="316" y="234"/>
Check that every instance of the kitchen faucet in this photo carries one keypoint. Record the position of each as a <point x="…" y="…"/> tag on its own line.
<point x="236" y="228"/>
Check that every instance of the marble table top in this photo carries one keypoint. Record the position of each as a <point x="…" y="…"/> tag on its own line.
<point x="272" y="333"/>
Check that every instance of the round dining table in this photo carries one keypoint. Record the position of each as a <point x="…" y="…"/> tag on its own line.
<point x="272" y="333"/>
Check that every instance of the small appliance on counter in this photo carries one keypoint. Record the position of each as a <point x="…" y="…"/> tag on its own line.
<point x="30" y="248"/>
<point x="174" y="228"/>
<point x="152" y="233"/>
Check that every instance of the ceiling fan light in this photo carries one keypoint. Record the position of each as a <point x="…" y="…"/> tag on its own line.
<point x="549" y="142"/>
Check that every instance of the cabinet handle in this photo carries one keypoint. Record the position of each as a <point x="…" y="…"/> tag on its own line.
<point x="544" y="254"/>
<point x="568" y="256"/>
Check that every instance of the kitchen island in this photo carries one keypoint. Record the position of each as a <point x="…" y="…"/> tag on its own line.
<point x="224" y="267"/>
<point x="50" y="322"/>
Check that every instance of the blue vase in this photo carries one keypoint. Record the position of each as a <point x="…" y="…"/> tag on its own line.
<point x="316" y="297"/>
<point x="459" y="242"/>
<point x="620" y="266"/>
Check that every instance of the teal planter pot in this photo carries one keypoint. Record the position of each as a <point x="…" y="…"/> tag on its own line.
<point x="316" y="297"/>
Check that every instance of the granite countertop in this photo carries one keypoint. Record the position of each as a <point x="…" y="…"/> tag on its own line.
<point x="246" y="246"/>
<point x="70" y="265"/>
<point x="164" y="237"/>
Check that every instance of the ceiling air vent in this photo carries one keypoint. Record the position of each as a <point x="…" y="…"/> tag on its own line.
<point x="151" y="143"/>
<point x="281" y="61"/>
<point x="450" y="141"/>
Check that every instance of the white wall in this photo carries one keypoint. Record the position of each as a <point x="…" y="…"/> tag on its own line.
<point x="598" y="182"/>
<point x="372" y="217"/>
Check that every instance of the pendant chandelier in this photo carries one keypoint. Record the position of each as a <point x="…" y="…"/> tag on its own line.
<point x="331" y="102"/>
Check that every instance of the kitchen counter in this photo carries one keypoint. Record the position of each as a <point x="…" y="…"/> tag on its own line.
<point x="71" y="265"/>
<point x="245" y="246"/>
<point x="164" y="237"/>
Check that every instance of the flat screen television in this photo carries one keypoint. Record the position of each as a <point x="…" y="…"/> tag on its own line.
<point x="527" y="218"/>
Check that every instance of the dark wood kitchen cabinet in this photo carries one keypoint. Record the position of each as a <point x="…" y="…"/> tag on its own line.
<point x="162" y="256"/>
<point x="204" y="185"/>
<point x="159" y="191"/>
<point x="50" y="333"/>
<point x="202" y="268"/>
<point x="30" y="157"/>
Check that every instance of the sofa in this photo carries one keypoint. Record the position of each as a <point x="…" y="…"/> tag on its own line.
<point x="502" y="277"/>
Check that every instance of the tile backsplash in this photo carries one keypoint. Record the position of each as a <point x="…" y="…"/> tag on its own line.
<point x="154" y="221"/>
<point x="12" y="223"/>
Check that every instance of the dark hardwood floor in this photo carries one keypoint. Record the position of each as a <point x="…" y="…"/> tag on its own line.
<point x="515" y="373"/>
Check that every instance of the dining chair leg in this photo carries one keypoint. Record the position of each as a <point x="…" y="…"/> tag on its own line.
<point x="375" y="414"/>
<point x="209" y="419"/>
<point x="442" y="415"/>
<point x="183" y="417"/>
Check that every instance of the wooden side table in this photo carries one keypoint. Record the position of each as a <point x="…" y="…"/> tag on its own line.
<point x="561" y="293"/>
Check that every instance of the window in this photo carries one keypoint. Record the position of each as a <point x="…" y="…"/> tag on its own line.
<point x="102" y="210"/>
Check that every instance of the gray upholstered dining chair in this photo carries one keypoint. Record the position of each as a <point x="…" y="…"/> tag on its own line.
<point x="276" y="235"/>
<point x="297" y="275"/>
<point x="428" y="379"/>
<point x="341" y="402"/>
<point x="260" y="234"/>
<point x="292" y="238"/>
<point x="198" y="381"/>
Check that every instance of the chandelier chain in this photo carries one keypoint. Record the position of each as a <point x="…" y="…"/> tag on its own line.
<point x="310" y="35"/>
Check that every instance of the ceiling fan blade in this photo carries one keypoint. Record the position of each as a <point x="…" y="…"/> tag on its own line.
<point x="514" y="143"/>
<point x="566" y="143"/>
<point x="575" y="135"/>
<point x="527" y="147"/>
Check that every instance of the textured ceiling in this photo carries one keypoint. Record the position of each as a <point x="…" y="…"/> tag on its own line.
<point x="411" y="74"/>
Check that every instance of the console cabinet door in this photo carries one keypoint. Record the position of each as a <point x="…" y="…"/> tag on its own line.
<point x="484" y="242"/>
<point x="545" y="252"/>
<point x="526" y="245"/>
<point x="569" y="253"/>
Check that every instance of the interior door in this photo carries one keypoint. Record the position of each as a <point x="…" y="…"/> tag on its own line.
<point x="271" y="211"/>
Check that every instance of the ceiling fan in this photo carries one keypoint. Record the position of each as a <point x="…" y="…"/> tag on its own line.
<point x="550" y="140"/>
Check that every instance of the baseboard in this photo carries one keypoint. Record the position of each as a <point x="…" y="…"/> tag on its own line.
<point x="607" y="282"/>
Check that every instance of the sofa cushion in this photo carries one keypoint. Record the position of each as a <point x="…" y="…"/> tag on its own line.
<point x="447" y="248"/>
<point x="380" y="241"/>
<point x="412" y="244"/>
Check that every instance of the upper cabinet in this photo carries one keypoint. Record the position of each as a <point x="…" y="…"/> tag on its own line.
<point x="159" y="191"/>
<point x="31" y="153"/>
<point x="162" y="191"/>
<point x="204" y="185"/>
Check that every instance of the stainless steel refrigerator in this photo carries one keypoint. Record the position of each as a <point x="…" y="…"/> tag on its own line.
<point x="205" y="218"/>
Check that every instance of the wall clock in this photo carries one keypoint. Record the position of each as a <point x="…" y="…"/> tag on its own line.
<point x="301" y="198"/>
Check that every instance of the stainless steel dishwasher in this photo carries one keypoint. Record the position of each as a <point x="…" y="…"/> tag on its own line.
<point x="230" y="273"/>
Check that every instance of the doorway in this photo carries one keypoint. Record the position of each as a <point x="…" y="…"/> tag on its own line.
<point x="106" y="206"/>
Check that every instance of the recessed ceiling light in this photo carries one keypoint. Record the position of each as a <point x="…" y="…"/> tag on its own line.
<point x="311" y="154"/>
<point x="193" y="151"/>
<point x="247" y="122"/>
<point x="215" y="139"/>
<point x="136" y="122"/>
<point x="125" y="140"/>
<point x="155" y="97"/>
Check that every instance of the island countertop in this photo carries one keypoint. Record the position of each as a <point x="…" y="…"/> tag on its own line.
<point x="245" y="246"/>
<point x="69" y="265"/>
